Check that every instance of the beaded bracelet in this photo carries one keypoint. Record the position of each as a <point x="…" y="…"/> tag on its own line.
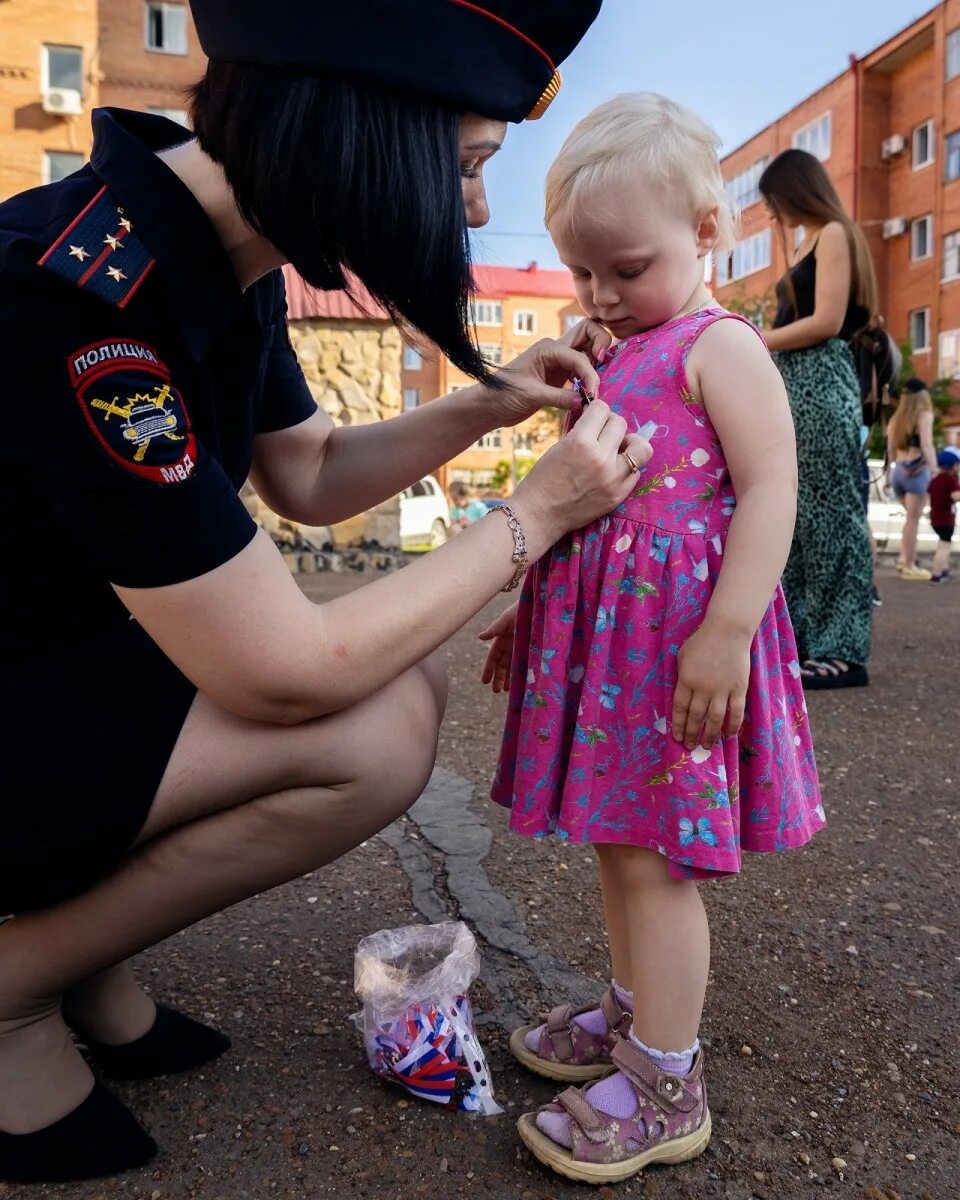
<point x="519" y="545"/>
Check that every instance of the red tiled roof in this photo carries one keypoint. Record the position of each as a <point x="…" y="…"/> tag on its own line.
<point x="491" y="283"/>
<point x="305" y="301"/>
<point x="497" y="282"/>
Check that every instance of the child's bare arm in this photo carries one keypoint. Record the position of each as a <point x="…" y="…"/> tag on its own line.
<point x="747" y="404"/>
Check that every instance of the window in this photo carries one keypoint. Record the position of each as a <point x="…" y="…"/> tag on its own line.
<point x="167" y="28"/>
<point x="949" y="367"/>
<point x="412" y="358"/>
<point x="416" y="490"/>
<point x="172" y="114"/>
<point x="486" y="312"/>
<point x="815" y="137"/>
<point x="525" y="322"/>
<point x="953" y="156"/>
<point x="921" y="238"/>
<point x="748" y="256"/>
<point x="58" y="164"/>
<point x="492" y="353"/>
<point x="571" y="320"/>
<point x="523" y="443"/>
<point x="920" y="330"/>
<point x="489" y="441"/>
<point x="411" y="398"/>
<point x="62" y="67"/>
<point x="953" y="53"/>
<point x="923" y="145"/>
<point x="951" y="256"/>
<point x="744" y="189"/>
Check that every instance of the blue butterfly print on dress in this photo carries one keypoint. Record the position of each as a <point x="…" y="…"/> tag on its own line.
<point x="609" y="693"/>
<point x="690" y="832"/>
<point x="660" y="547"/>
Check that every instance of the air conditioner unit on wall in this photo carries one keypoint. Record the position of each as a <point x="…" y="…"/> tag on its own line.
<point x="892" y="146"/>
<point x="62" y="102"/>
<point x="895" y="227"/>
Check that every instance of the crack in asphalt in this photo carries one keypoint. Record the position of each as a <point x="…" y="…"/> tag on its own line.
<point x="444" y="819"/>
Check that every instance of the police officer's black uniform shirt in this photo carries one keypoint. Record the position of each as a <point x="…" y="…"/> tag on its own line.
<point x="136" y="374"/>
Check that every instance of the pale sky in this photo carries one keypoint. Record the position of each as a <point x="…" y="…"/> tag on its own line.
<point x="738" y="66"/>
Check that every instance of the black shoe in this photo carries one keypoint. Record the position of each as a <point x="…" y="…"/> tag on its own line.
<point x="832" y="673"/>
<point x="100" y="1137"/>
<point x="174" y="1043"/>
<point x="877" y="598"/>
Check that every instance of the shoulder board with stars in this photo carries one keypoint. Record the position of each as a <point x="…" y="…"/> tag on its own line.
<point x="99" y="252"/>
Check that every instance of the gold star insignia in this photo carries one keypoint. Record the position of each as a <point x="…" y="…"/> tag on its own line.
<point x="113" y="242"/>
<point x="79" y="252"/>
<point x="115" y="273"/>
<point x="128" y="226"/>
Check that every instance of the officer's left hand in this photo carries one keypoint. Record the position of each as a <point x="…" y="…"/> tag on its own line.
<point x="536" y="379"/>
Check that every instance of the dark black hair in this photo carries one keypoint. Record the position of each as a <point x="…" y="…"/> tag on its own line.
<point x="344" y="177"/>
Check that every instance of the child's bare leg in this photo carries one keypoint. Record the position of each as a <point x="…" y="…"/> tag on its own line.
<point x="615" y="915"/>
<point x="941" y="558"/>
<point x="669" y="949"/>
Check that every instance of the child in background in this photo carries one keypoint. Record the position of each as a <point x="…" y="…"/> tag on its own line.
<point x="944" y="494"/>
<point x="465" y="508"/>
<point x="656" y="709"/>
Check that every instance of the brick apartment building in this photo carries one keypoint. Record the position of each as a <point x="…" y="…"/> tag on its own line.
<point x="59" y="59"/>
<point x="888" y="132"/>
<point x="49" y="81"/>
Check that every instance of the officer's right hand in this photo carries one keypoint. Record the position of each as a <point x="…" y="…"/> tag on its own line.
<point x="584" y="476"/>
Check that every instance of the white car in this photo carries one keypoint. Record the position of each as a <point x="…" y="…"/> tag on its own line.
<point x="424" y="514"/>
<point x="886" y="515"/>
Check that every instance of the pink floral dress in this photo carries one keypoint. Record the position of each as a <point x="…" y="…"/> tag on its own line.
<point x="587" y="750"/>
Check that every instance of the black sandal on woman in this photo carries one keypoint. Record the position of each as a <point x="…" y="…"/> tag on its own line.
<point x="831" y="673"/>
<point x="100" y="1137"/>
<point x="173" y="1043"/>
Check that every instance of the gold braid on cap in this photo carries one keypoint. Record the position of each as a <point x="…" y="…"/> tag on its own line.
<point x="547" y="98"/>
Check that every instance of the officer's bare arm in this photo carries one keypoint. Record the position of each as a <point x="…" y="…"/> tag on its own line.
<point x="252" y="641"/>
<point x="317" y="475"/>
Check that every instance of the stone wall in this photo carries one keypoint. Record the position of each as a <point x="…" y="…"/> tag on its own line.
<point x="352" y="367"/>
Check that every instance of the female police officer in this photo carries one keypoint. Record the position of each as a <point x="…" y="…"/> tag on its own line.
<point x="184" y="728"/>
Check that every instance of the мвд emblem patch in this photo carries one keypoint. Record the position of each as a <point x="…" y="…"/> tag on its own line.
<point x="133" y="409"/>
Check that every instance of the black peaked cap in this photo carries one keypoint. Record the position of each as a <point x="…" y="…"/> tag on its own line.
<point x="493" y="57"/>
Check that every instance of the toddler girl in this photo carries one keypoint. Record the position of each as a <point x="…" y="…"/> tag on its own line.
<point x="656" y="708"/>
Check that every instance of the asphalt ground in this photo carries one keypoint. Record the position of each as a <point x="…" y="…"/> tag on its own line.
<point x="831" y="1024"/>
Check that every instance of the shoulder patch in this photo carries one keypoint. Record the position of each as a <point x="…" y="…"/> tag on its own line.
<point x="99" y="252"/>
<point x="136" y="414"/>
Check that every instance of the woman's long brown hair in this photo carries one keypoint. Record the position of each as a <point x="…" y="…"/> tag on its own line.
<point x="796" y="184"/>
<point x="906" y="417"/>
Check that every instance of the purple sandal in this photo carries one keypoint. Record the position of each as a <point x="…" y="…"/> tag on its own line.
<point x="566" y="1051"/>
<point x="671" y="1123"/>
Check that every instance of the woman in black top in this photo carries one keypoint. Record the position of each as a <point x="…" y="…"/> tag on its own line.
<point x="825" y="298"/>
<point x="183" y="727"/>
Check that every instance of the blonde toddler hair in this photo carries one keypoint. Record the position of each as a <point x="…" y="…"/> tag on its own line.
<point x="646" y="134"/>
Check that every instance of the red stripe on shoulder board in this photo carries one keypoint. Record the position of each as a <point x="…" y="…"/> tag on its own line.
<point x="506" y="25"/>
<point x="73" y="224"/>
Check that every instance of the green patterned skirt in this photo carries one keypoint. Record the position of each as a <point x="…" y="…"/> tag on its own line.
<point x="829" y="575"/>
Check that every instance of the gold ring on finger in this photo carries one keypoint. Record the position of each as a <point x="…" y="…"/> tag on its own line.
<point x="633" y="465"/>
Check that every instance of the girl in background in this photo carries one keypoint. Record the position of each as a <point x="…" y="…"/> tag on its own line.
<point x="913" y="462"/>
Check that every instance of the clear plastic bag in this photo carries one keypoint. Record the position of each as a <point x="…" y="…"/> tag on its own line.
<point x="417" y="1023"/>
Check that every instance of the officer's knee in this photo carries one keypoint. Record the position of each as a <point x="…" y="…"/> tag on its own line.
<point x="434" y="670"/>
